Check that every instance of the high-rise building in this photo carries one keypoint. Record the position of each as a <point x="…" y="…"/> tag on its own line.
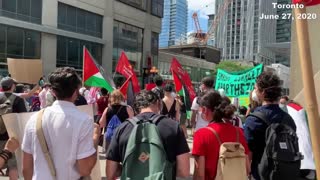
<point x="283" y="37"/>
<point x="55" y="31"/>
<point x="174" y="23"/>
<point x="242" y="35"/>
<point x="210" y="22"/>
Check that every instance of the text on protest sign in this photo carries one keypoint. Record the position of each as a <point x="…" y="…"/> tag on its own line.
<point x="239" y="83"/>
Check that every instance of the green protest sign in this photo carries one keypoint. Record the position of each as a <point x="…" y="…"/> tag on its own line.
<point x="238" y="84"/>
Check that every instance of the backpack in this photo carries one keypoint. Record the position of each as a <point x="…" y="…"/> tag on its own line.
<point x="232" y="159"/>
<point x="112" y="125"/>
<point x="35" y="105"/>
<point x="281" y="158"/>
<point x="6" y="108"/>
<point x="145" y="156"/>
<point x="159" y="92"/>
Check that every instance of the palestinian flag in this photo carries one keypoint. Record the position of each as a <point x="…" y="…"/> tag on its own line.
<point x="306" y="2"/>
<point x="183" y="85"/>
<point x="91" y="74"/>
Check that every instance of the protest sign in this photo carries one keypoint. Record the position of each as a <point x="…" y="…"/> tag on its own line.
<point x="15" y="124"/>
<point x="239" y="83"/>
<point x="25" y="70"/>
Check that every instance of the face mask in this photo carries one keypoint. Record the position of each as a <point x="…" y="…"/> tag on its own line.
<point x="254" y="96"/>
<point x="282" y="105"/>
<point x="174" y="95"/>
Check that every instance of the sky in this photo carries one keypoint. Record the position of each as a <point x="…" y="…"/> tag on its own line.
<point x="203" y="7"/>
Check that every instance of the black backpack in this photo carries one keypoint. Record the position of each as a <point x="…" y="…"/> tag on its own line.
<point x="281" y="158"/>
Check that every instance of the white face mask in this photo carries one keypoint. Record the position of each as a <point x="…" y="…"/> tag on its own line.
<point x="173" y="94"/>
<point x="255" y="96"/>
<point x="282" y="105"/>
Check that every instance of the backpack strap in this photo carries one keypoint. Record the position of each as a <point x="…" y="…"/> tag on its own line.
<point x="238" y="138"/>
<point x="11" y="98"/>
<point x="260" y="115"/>
<point x="134" y="120"/>
<point x="155" y="119"/>
<point x="43" y="144"/>
<point x="215" y="133"/>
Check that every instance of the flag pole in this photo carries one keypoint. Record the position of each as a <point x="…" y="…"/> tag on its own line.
<point x="83" y="55"/>
<point x="308" y="84"/>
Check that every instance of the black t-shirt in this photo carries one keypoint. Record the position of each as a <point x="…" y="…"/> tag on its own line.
<point x="18" y="107"/>
<point x="119" y="110"/>
<point x="172" y="136"/>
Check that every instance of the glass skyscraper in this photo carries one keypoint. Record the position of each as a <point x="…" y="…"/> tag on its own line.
<point x="174" y="23"/>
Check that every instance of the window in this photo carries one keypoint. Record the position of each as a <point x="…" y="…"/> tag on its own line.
<point x="154" y="43"/>
<point x="25" y="10"/>
<point x="18" y="43"/>
<point x="69" y="52"/>
<point x="77" y="20"/>
<point x="140" y="4"/>
<point x="157" y="8"/>
<point x="129" y="39"/>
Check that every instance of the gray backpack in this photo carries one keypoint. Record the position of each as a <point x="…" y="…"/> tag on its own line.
<point x="6" y="108"/>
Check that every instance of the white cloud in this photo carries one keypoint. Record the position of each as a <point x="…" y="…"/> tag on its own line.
<point x="203" y="7"/>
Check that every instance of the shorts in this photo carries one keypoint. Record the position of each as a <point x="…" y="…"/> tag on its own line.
<point x="183" y="118"/>
<point x="12" y="163"/>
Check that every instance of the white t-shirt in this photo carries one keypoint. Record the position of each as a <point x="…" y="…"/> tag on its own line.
<point x="200" y="123"/>
<point x="69" y="135"/>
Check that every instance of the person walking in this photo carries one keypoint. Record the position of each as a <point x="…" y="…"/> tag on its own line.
<point x="260" y="124"/>
<point x="170" y="106"/>
<point x="70" y="135"/>
<point x="207" y="141"/>
<point x="116" y="110"/>
<point x="16" y="105"/>
<point x="148" y="105"/>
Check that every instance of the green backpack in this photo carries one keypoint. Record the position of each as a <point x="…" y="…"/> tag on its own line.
<point x="145" y="157"/>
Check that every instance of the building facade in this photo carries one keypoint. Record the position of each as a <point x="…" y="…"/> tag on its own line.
<point x="242" y="35"/>
<point x="55" y="31"/>
<point x="174" y="23"/>
<point x="210" y="41"/>
<point x="197" y="68"/>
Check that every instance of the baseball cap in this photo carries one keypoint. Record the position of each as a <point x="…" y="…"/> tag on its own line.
<point x="7" y="82"/>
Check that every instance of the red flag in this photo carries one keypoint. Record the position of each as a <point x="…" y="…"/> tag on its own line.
<point x="124" y="87"/>
<point x="124" y="68"/>
<point x="181" y="77"/>
<point x="306" y="2"/>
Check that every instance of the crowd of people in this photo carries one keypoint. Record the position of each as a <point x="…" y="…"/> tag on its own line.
<point x="269" y="139"/>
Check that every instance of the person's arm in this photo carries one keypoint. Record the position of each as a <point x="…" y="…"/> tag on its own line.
<point x="183" y="165"/>
<point x="114" y="170"/>
<point x="103" y="119"/>
<point x="177" y="112"/>
<point x="27" y="148"/>
<point x="27" y="166"/>
<point x="10" y="147"/>
<point x="193" y="118"/>
<point x="130" y="112"/>
<point x="248" y="165"/>
<point x="87" y="148"/>
<point x="199" y="168"/>
<point x="194" y="108"/>
<point x="30" y="93"/>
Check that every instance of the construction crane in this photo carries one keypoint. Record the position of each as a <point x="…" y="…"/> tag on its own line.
<point x="202" y="38"/>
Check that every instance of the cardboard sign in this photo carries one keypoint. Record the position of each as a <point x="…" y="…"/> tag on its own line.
<point x="238" y="84"/>
<point x="15" y="124"/>
<point x="25" y="70"/>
